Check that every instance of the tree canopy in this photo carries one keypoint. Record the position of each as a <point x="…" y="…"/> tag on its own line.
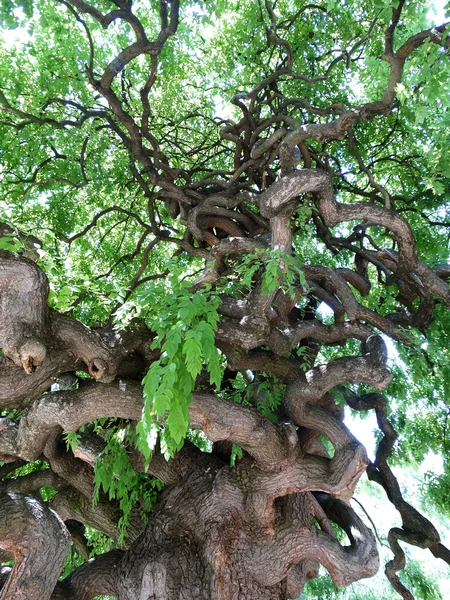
<point x="224" y="229"/>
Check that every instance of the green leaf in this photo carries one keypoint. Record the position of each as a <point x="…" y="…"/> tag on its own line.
<point x="178" y="421"/>
<point x="421" y="114"/>
<point x="192" y="349"/>
<point x="11" y="244"/>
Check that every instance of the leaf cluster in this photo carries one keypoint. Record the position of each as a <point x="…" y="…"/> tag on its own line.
<point x="185" y="329"/>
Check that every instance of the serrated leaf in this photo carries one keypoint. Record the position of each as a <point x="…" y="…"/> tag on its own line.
<point x="152" y="380"/>
<point x="178" y="422"/>
<point x="421" y="113"/>
<point x="162" y="402"/>
<point x="193" y="352"/>
<point x="173" y="341"/>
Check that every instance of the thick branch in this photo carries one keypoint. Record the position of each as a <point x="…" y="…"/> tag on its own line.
<point x="23" y="311"/>
<point x="18" y="388"/>
<point x="94" y="578"/>
<point x="39" y="542"/>
<point x="416" y="529"/>
<point x="309" y="389"/>
<point x="219" y="419"/>
<point x="291" y="546"/>
<point x="224" y="420"/>
<point x="318" y="182"/>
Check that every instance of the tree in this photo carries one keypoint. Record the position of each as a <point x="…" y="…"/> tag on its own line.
<point x="183" y="189"/>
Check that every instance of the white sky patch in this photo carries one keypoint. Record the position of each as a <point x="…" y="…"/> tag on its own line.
<point x="19" y="35"/>
<point x="363" y="430"/>
<point x="437" y="12"/>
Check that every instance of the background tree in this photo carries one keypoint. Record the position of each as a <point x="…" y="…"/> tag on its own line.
<point x="183" y="189"/>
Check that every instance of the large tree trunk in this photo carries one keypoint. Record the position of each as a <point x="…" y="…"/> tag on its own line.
<point x="207" y="542"/>
<point x="256" y="531"/>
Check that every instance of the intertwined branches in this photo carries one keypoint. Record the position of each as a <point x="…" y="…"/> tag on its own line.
<point x="245" y="202"/>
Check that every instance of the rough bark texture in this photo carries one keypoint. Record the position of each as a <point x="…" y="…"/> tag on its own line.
<point x="258" y="530"/>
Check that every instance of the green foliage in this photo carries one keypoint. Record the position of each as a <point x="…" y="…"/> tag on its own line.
<point x="12" y="12"/>
<point x="73" y="560"/>
<point x="31" y="467"/>
<point x="276" y="269"/>
<point x="322" y="587"/>
<point x="268" y="394"/>
<point x="11" y="244"/>
<point x="115" y="476"/>
<point x="419" y="584"/>
<point x="199" y="439"/>
<point x="264" y="393"/>
<point x="236" y="453"/>
<point x="72" y="439"/>
<point x="185" y="329"/>
<point x="436" y="487"/>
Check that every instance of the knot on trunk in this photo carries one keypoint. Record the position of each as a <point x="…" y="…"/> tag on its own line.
<point x="99" y="370"/>
<point x="31" y="354"/>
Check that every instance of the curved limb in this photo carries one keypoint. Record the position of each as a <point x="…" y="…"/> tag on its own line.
<point x="23" y="311"/>
<point x="281" y="193"/>
<point x="294" y="541"/>
<point x="350" y="563"/>
<point x="69" y="410"/>
<point x="416" y="529"/>
<point x="39" y="541"/>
